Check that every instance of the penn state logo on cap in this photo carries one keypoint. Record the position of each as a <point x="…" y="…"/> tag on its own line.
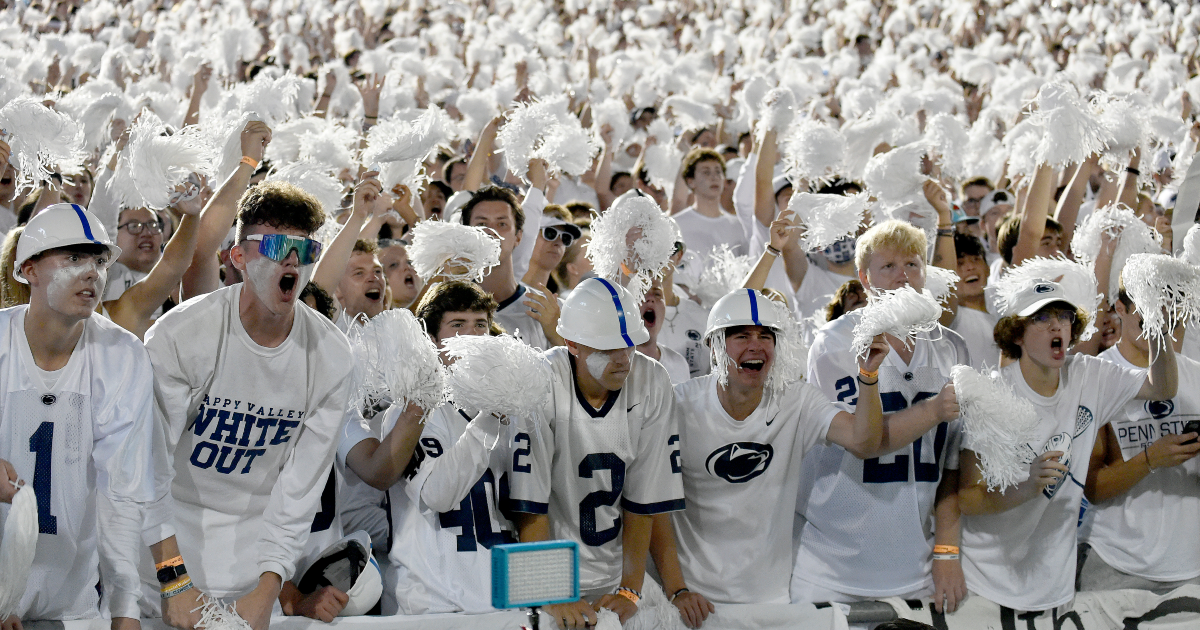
<point x="740" y="462"/>
<point x="1043" y="288"/>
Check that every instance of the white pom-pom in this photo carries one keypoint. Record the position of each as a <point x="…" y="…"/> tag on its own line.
<point x="1191" y="245"/>
<point x="997" y="426"/>
<point x="791" y="353"/>
<point x="329" y="144"/>
<point x="502" y="375"/>
<point x="519" y="136"/>
<point x="315" y="180"/>
<point x="723" y="272"/>
<point x="896" y="174"/>
<point x="615" y="114"/>
<point x="1070" y="130"/>
<point x="398" y="140"/>
<point x="827" y="219"/>
<point x="1165" y="290"/>
<point x="1117" y="221"/>
<point x="635" y="232"/>
<point x="17" y="548"/>
<point x="395" y="361"/>
<point x="217" y="616"/>
<point x="153" y="164"/>
<point x="607" y="620"/>
<point x="948" y="137"/>
<point x="753" y="94"/>
<point x="1077" y="280"/>
<point x="688" y="113"/>
<point x="567" y="148"/>
<point x="779" y="108"/>
<point x="478" y="108"/>
<point x="940" y="283"/>
<point x="814" y="152"/>
<point x="902" y="313"/>
<point x="453" y="250"/>
<point x="42" y="140"/>
<point x="1122" y="123"/>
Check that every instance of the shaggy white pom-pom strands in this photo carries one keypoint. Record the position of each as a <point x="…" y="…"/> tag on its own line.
<point x="396" y="361"/>
<point x="636" y="233"/>
<point x="17" y="548"/>
<point x="724" y="271"/>
<point x="902" y="313"/>
<point x="452" y="250"/>
<point x="1119" y="222"/>
<point x="827" y="219"/>
<point x="153" y="164"/>
<point x="997" y="426"/>
<point x="940" y="283"/>
<point x="500" y="374"/>
<point x="42" y="140"/>
<point x="217" y="616"/>
<point x="1166" y="292"/>
<point x="1070" y="130"/>
<point x="545" y="130"/>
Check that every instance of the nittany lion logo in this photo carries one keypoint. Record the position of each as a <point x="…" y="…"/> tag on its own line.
<point x="740" y="462"/>
<point x="1043" y="288"/>
<point x="694" y="335"/>
<point x="1159" y="409"/>
<point x="1083" y="420"/>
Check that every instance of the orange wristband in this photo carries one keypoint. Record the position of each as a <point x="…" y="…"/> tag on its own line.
<point x="945" y="549"/>
<point x="249" y="161"/>
<point x="173" y="562"/>
<point x="865" y="374"/>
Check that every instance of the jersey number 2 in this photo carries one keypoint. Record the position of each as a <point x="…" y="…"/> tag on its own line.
<point x="41" y="444"/>
<point x="600" y="498"/>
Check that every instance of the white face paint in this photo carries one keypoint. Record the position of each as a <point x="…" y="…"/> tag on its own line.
<point x="596" y="363"/>
<point x="62" y="286"/>
<point x="261" y="272"/>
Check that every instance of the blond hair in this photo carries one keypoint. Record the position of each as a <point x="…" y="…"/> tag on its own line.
<point x="895" y="233"/>
<point x="12" y="293"/>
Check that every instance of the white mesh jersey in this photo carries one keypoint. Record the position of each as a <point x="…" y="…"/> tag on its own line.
<point x="741" y="479"/>
<point x="446" y="517"/>
<point x="84" y="444"/>
<point x="1137" y="532"/>
<point x="583" y="466"/>
<point x="251" y="434"/>
<point x="683" y="331"/>
<point x="1024" y="557"/>
<point x="869" y="529"/>
<point x="514" y="316"/>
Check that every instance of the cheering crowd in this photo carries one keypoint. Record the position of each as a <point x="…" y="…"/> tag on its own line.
<point x="800" y="302"/>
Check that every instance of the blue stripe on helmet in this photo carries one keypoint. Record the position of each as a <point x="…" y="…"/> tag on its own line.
<point x="87" y="227"/>
<point x="620" y="311"/>
<point x="753" y="308"/>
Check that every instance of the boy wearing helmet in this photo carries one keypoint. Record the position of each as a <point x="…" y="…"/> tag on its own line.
<point x="77" y="425"/>
<point x="603" y="459"/>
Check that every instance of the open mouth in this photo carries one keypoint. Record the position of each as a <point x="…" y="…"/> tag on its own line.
<point x="87" y="294"/>
<point x="753" y="365"/>
<point x="970" y="279"/>
<point x="1057" y="347"/>
<point x="649" y="317"/>
<point x="410" y="280"/>
<point x="288" y="282"/>
<point x="374" y="295"/>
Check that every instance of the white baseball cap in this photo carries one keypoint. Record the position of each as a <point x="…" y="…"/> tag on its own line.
<point x="1037" y="294"/>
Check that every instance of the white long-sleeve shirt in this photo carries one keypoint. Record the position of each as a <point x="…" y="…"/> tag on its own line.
<point x="250" y="436"/>
<point x="82" y="436"/>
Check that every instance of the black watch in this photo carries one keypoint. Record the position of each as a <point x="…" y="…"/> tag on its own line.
<point x="166" y="575"/>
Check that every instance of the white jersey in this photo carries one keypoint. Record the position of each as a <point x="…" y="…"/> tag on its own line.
<point x="1024" y="558"/>
<point x="869" y="529"/>
<point x="583" y="466"/>
<point x="514" y="316"/>
<point x="1137" y="532"/>
<point x="677" y="366"/>
<point x="741" y="479"/>
<point x="976" y="329"/>
<point x="82" y="437"/>
<point x="446" y="516"/>
<point x="817" y="289"/>
<point x="251" y="433"/>
<point x="683" y="331"/>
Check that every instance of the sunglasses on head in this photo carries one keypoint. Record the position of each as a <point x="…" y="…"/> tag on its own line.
<point x="551" y="233"/>
<point x="277" y="247"/>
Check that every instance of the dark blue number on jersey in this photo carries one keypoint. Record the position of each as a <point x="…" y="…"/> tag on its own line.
<point x="876" y="472"/>
<point x="600" y="498"/>
<point x="41" y="444"/>
<point x="324" y="518"/>
<point x="520" y="452"/>
<point x="475" y="518"/>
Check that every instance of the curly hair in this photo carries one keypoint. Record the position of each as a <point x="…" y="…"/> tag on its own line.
<point x="698" y="155"/>
<point x="279" y="205"/>
<point x="1009" y="330"/>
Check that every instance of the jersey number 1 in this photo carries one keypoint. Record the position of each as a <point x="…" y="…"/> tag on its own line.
<point x="41" y="444"/>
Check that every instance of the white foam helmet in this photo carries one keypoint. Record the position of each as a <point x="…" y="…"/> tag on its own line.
<point x="602" y="315"/>
<point x="744" y="307"/>
<point x="60" y="225"/>
<point x="348" y="566"/>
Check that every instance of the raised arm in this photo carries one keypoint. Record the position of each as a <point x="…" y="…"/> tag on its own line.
<point x="944" y="254"/>
<point x="783" y="233"/>
<point x="1033" y="218"/>
<point x="1162" y="379"/>
<point x="334" y="258"/>
<point x="1067" y="212"/>
<point x="764" y="175"/>
<point x="481" y="157"/>
<point x="380" y="463"/>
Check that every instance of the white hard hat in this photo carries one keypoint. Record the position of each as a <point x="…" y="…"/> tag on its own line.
<point x="348" y="566"/>
<point x="60" y="225"/>
<point x="744" y="307"/>
<point x="602" y="315"/>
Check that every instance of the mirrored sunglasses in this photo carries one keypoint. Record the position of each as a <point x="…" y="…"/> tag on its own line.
<point x="278" y="246"/>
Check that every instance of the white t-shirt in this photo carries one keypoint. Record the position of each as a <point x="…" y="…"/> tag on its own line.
<point x="817" y="290"/>
<point x="869" y="529"/>
<point x="583" y="466"/>
<point x="1024" y="557"/>
<point x="446" y="517"/>
<point x="976" y="329"/>
<point x="703" y="234"/>
<point x="741" y="479"/>
<point x="677" y="366"/>
<point x="683" y="331"/>
<point x="514" y="316"/>
<point x="84" y="444"/>
<point x="1138" y="532"/>
<point x="251" y="434"/>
